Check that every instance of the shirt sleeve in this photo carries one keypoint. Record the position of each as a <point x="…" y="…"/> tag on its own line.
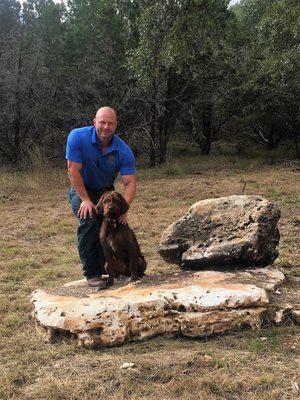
<point x="127" y="163"/>
<point x="73" y="150"/>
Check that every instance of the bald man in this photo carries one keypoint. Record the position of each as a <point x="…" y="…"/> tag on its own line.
<point x="95" y="155"/>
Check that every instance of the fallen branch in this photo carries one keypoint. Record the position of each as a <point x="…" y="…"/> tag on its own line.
<point x="7" y="196"/>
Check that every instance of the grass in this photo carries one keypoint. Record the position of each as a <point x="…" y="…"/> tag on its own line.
<point x="38" y="250"/>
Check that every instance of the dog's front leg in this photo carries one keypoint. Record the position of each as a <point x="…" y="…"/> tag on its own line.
<point x="133" y="268"/>
<point x="108" y="265"/>
<point x="110" y="271"/>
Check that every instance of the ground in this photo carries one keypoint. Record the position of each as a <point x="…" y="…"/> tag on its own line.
<point x="38" y="251"/>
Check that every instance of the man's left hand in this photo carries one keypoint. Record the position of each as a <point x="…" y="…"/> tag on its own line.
<point x="124" y="219"/>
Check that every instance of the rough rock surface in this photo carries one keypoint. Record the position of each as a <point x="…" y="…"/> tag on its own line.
<point x="189" y="304"/>
<point x="227" y="231"/>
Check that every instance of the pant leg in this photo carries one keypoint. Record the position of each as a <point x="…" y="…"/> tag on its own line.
<point x="88" y="243"/>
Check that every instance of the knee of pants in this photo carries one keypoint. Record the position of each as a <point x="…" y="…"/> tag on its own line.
<point x="74" y="200"/>
<point x="89" y="225"/>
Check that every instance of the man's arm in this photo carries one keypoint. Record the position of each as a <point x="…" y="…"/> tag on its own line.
<point x="129" y="182"/>
<point x="86" y="206"/>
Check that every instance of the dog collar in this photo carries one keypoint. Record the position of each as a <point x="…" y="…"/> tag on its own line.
<point x="112" y="220"/>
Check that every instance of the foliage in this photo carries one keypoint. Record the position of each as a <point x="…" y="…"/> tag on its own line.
<point x="195" y="66"/>
<point x="271" y="84"/>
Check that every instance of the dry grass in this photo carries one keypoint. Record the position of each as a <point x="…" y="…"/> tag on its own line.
<point x="38" y="250"/>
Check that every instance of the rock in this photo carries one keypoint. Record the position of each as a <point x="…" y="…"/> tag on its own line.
<point x="127" y="365"/>
<point x="190" y="304"/>
<point x="283" y="314"/>
<point x="207" y="359"/>
<point x="228" y="231"/>
<point x="295" y="388"/>
<point x="296" y="317"/>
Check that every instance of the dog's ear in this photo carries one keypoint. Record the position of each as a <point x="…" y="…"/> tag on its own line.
<point x="124" y="205"/>
<point x="99" y="207"/>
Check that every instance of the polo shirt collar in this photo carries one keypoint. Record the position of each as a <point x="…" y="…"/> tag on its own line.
<point x="94" y="137"/>
<point x="113" y="146"/>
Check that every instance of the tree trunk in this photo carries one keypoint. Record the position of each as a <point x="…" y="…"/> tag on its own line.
<point x="17" y="114"/>
<point x="152" y="155"/>
<point x="296" y="145"/>
<point x="163" y="133"/>
<point x="271" y="141"/>
<point x="164" y="125"/>
<point x="207" y="130"/>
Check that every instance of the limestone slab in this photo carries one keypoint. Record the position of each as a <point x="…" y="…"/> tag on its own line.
<point x="186" y="303"/>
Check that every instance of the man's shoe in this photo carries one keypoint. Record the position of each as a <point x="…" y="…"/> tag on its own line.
<point x="96" y="282"/>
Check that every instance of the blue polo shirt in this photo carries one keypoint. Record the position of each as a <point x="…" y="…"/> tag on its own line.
<point x="99" y="170"/>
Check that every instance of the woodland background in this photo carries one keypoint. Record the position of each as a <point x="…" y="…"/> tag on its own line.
<point x="195" y="70"/>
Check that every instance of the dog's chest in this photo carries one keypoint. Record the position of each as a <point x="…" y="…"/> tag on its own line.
<point x="112" y="244"/>
<point x="114" y="241"/>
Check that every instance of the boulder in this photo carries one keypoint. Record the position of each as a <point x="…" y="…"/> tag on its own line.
<point x="296" y="316"/>
<point x="227" y="231"/>
<point x="192" y="304"/>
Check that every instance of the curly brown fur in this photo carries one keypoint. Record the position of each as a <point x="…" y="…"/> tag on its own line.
<point x="121" y="249"/>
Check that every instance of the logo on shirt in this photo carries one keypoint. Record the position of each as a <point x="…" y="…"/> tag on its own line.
<point x="111" y="158"/>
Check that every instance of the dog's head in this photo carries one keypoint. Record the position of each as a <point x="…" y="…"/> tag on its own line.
<point x="112" y="204"/>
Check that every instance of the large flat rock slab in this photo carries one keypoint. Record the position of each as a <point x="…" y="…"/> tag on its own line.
<point x="189" y="304"/>
<point x="227" y="231"/>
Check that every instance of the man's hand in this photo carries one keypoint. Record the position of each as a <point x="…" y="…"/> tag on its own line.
<point x="124" y="219"/>
<point x="86" y="208"/>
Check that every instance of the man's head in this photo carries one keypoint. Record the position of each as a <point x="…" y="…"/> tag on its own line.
<point x="105" y="122"/>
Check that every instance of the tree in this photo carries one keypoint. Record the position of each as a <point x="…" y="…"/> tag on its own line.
<point x="203" y="62"/>
<point x="95" y="54"/>
<point x="9" y="16"/>
<point x="270" y="87"/>
<point x="180" y="67"/>
<point x="152" y="69"/>
<point x="28" y="89"/>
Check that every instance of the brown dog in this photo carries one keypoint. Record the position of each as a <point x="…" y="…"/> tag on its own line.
<point x="121" y="249"/>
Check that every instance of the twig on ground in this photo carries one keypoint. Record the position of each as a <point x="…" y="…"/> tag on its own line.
<point x="244" y="187"/>
<point x="7" y="196"/>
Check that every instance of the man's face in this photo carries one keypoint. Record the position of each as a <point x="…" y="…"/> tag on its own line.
<point x="105" y="123"/>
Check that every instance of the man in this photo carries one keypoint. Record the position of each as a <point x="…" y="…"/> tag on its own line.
<point x="95" y="156"/>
